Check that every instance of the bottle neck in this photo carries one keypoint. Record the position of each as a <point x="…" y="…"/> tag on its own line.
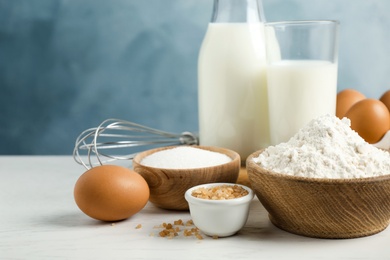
<point x="237" y="11"/>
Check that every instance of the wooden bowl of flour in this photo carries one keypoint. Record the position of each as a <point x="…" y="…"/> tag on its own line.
<point x="322" y="208"/>
<point x="168" y="185"/>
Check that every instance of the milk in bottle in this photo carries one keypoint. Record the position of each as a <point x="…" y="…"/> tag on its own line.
<point x="232" y="90"/>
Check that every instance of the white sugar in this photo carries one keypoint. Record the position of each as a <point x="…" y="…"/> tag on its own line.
<point x="185" y="157"/>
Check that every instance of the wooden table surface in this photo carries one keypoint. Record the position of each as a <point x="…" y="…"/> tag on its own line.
<point x="40" y="220"/>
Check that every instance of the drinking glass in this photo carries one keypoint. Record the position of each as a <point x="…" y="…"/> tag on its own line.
<point x="301" y="74"/>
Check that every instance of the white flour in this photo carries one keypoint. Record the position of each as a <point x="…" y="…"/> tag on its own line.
<point x="326" y="148"/>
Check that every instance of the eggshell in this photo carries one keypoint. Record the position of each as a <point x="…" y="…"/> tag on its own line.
<point x="385" y="98"/>
<point x="370" y="118"/>
<point x="346" y="99"/>
<point x="111" y="193"/>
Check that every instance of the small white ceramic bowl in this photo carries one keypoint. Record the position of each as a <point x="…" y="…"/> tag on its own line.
<point x="220" y="218"/>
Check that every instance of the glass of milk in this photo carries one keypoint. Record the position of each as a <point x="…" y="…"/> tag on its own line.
<point x="301" y="74"/>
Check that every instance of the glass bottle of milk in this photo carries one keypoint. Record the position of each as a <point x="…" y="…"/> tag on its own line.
<point x="232" y="88"/>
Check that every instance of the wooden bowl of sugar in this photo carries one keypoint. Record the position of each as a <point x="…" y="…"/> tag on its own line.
<point x="170" y="171"/>
<point x="320" y="207"/>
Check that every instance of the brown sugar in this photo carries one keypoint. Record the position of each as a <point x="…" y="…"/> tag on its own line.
<point x="138" y="226"/>
<point x="173" y="230"/>
<point x="222" y="192"/>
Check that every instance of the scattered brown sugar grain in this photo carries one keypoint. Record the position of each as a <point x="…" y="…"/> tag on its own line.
<point x="222" y="192"/>
<point x="138" y="226"/>
<point x="178" y="222"/>
<point x="199" y="236"/>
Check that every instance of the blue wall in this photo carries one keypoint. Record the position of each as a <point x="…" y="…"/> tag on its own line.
<point x="66" y="65"/>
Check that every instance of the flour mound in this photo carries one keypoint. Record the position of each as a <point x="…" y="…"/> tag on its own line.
<point x="326" y="148"/>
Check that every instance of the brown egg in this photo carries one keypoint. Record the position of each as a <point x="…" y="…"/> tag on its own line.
<point x="370" y="118"/>
<point x="385" y="98"/>
<point x="345" y="100"/>
<point x="111" y="193"/>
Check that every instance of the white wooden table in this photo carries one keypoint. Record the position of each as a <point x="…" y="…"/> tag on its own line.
<point x="39" y="220"/>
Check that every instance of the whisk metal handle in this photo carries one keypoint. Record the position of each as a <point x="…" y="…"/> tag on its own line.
<point x="188" y="138"/>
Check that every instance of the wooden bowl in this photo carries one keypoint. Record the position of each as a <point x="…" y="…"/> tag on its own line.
<point x="322" y="208"/>
<point x="168" y="186"/>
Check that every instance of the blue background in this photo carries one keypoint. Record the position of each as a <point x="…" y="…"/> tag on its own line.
<point x="66" y="65"/>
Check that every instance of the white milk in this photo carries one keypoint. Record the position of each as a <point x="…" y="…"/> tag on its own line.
<point x="299" y="91"/>
<point x="233" y="107"/>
